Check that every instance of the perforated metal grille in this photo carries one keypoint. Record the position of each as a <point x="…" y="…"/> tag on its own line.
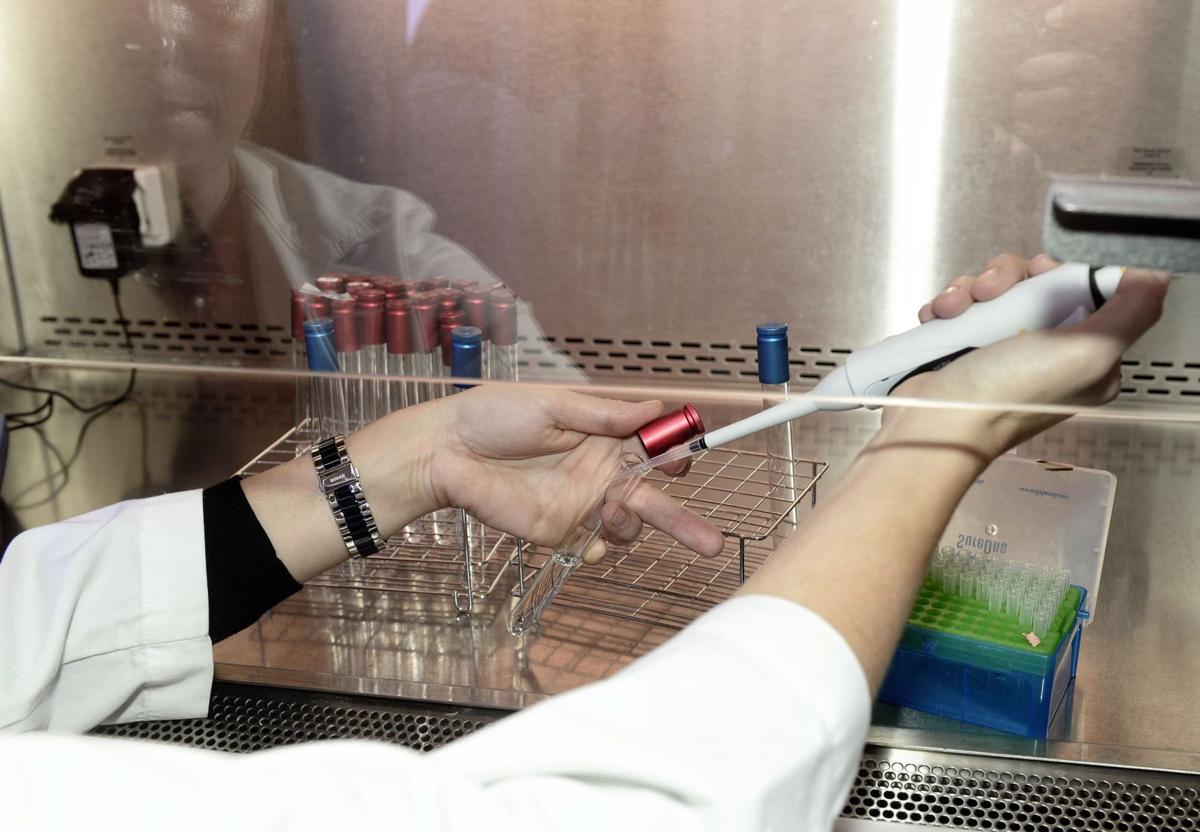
<point x="1002" y="794"/>
<point x="1143" y="378"/>
<point x="245" y="718"/>
<point x="665" y="360"/>
<point x="165" y="339"/>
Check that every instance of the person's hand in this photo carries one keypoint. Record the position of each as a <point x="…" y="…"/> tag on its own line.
<point x="532" y="462"/>
<point x="999" y="275"/>
<point x="1075" y="365"/>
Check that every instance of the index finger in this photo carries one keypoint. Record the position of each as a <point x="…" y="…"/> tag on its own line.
<point x="674" y="520"/>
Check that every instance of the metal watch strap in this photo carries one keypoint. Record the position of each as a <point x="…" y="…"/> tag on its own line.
<point x="339" y="482"/>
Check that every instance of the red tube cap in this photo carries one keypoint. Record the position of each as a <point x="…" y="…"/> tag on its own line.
<point x="425" y="330"/>
<point x="475" y="307"/>
<point x="447" y="321"/>
<point x="449" y="299"/>
<point x="434" y="283"/>
<point x="315" y="307"/>
<point x="345" y="326"/>
<point x="356" y="287"/>
<point x="331" y="283"/>
<point x="670" y="430"/>
<point x="371" y="327"/>
<point x="502" y="318"/>
<point x="399" y="327"/>
<point x="298" y="314"/>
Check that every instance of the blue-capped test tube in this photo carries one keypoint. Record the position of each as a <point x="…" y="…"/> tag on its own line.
<point x="329" y="403"/>
<point x="466" y="362"/>
<point x="774" y="373"/>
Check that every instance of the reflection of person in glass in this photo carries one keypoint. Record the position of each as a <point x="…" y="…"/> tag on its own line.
<point x="259" y="221"/>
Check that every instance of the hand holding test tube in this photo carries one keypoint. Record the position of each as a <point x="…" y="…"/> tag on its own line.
<point x="662" y="433"/>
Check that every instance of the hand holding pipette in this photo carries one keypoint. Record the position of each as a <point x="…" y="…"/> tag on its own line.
<point x="1066" y="294"/>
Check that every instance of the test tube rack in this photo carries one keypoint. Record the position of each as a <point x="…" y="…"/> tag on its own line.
<point x="752" y="498"/>
<point x="437" y="567"/>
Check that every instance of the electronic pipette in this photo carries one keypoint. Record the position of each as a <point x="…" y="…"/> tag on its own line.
<point x="1063" y="295"/>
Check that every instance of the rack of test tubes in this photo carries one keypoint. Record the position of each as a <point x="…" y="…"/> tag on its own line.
<point x="754" y="499"/>
<point x="1020" y="604"/>
<point x="427" y="557"/>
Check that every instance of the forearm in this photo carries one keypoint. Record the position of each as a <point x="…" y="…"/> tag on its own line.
<point x="860" y="558"/>
<point x="393" y="459"/>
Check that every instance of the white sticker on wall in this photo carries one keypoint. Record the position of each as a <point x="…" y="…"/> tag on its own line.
<point x="1161" y="162"/>
<point x="94" y="241"/>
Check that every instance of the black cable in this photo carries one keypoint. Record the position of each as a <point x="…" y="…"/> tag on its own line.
<point x="95" y="411"/>
<point x="17" y="422"/>
<point x="99" y="407"/>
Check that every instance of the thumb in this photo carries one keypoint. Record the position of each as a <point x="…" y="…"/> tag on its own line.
<point x="602" y="417"/>
<point x="1134" y="308"/>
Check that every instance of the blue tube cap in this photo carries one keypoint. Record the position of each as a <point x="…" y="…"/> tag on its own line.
<point x="466" y="353"/>
<point x="318" y="343"/>
<point x="773" y="353"/>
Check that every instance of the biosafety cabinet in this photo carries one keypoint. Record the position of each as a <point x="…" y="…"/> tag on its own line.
<point x="615" y="195"/>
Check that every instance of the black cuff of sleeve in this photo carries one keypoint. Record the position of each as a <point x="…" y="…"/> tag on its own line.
<point x="245" y="578"/>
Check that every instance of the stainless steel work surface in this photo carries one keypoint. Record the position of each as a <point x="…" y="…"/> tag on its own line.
<point x="1134" y="697"/>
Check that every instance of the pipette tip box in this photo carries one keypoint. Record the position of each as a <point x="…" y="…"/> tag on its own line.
<point x="957" y="658"/>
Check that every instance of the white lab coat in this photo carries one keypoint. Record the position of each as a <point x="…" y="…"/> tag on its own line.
<point x="751" y="718"/>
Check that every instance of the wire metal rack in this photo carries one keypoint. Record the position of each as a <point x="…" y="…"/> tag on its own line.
<point x="755" y="499"/>
<point x="424" y="557"/>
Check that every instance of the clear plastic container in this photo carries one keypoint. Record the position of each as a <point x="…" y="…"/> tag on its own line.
<point x="961" y="663"/>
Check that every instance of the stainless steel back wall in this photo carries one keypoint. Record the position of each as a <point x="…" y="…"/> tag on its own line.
<point x="678" y="169"/>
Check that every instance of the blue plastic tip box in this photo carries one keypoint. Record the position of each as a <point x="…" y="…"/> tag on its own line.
<point x="1046" y="513"/>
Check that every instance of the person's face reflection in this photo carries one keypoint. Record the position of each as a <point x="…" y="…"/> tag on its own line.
<point x="209" y="78"/>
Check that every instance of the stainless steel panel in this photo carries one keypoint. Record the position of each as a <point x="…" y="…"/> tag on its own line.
<point x="676" y="168"/>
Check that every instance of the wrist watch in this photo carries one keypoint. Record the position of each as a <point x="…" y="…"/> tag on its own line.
<point x="340" y="484"/>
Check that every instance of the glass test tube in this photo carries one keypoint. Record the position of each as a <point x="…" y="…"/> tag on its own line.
<point x="466" y="362"/>
<point x="773" y="374"/>
<point x="399" y="352"/>
<point x="446" y="521"/>
<point x="502" y="324"/>
<point x="568" y="555"/>
<point x="426" y="344"/>
<point x="475" y="310"/>
<point x="372" y="334"/>
<point x="349" y="356"/>
<point x="327" y="395"/>
<point x="663" y="433"/>
<point x="299" y="362"/>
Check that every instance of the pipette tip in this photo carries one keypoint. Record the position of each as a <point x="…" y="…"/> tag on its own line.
<point x="684" y="451"/>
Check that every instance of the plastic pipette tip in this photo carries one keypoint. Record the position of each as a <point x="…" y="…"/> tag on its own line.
<point x="674" y="455"/>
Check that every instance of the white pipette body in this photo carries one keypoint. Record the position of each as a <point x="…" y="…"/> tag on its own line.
<point x="1063" y="295"/>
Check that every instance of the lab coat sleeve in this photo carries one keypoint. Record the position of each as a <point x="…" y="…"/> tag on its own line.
<point x="752" y="718"/>
<point x="104" y="618"/>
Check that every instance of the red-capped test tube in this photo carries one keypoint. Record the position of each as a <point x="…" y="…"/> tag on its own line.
<point x="426" y="358"/>
<point x="349" y="356"/>
<point x="399" y="352"/>
<point x="372" y="335"/>
<point x="664" y="432"/>
<point x="475" y="311"/>
<point x="502" y="325"/>
<point x="299" y="362"/>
